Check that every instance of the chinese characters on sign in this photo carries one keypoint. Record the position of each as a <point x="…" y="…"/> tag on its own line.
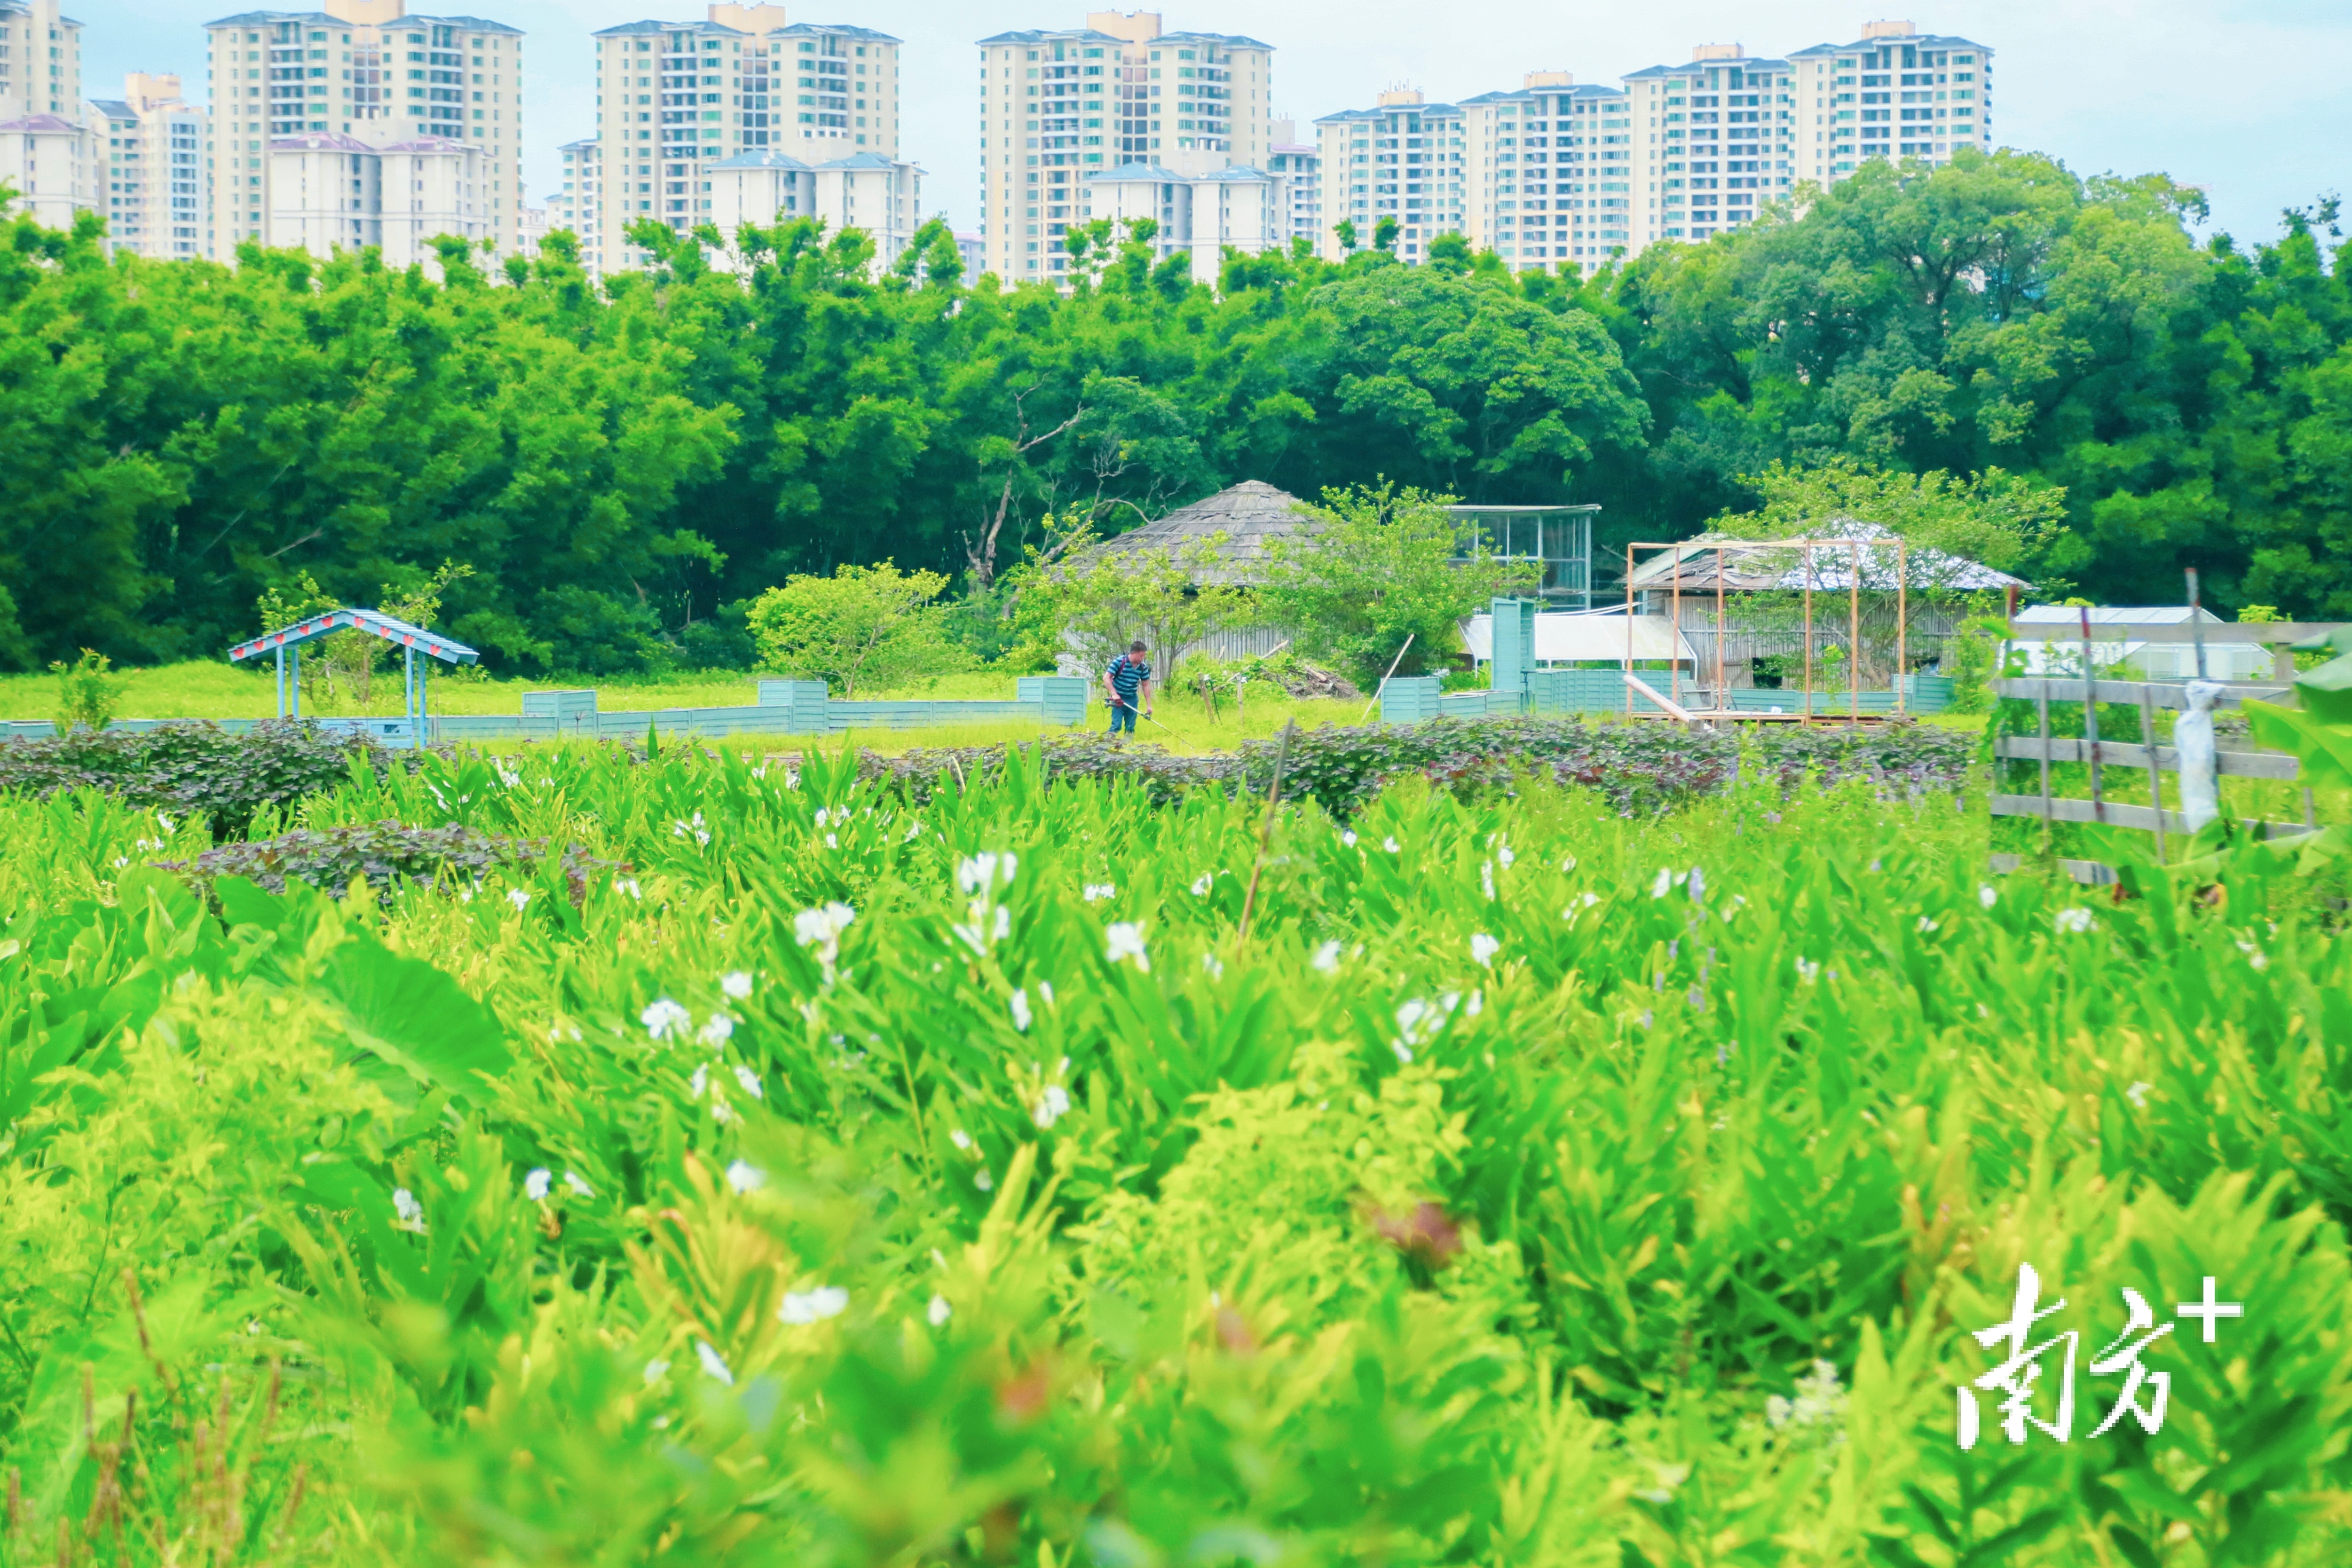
<point x="2020" y="1372"/>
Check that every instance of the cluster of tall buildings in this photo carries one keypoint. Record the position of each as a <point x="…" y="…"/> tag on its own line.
<point x="362" y="126"/>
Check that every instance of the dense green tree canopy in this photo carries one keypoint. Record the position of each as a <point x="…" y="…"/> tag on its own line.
<point x="617" y="461"/>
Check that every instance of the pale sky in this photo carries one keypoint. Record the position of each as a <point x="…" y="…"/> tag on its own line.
<point x="2245" y="97"/>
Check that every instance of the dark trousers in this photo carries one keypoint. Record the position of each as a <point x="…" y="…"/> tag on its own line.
<point x="1122" y="716"/>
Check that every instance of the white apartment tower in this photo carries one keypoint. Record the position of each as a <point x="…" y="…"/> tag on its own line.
<point x="366" y="71"/>
<point x="1300" y="165"/>
<point x="1711" y="140"/>
<point x="154" y="166"/>
<point x="45" y="141"/>
<point x="1118" y="94"/>
<point x="675" y="100"/>
<point x="1403" y="160"/>
<point x="1894" y="94"/>
<point x="576" y="203"/>
<point x="40" y="61"/>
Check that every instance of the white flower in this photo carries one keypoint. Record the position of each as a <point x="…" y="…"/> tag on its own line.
<point x="961" y="1139"/>
<point x="938" y="1311"/>
<point x="1098" y="891"/>
<point x="1696" y="884"/>
<point x="2256" y="959"/>
<point x="627" y="885"/>
<point x="1404" y="1052"/>
<point x="1505" y="854"/>
<point x="1327" y="957"/>
<point x="2137" y="1095"/>
<point x="1125" y="940"/>
<point x="1568" y="864"/>
<point x="2075" y="919"/>
<point x="700" y="1084"/>
<point x="744" y="1176"/>
<point x="750" y="1082"/>
<point x="1808" y="971"/>
<point x="411" y="1212"/>
<point x="695" y="827"/>
<point x="1985" y="895"/>
<point x="164" y="823"/>
<point x="812" y="1306"/>
<point x="713" y="1365"/>
<point x="1484" y="948"/>
<point x="1390" y="845"/>
<point x="914" y="831"/>
<point x="571" y="1180"/>
<point x="1214" y="965"/>
<point x="1486" y="879"/>
<point x="735" y="984"/>
<point x="1663" y="886"/>
<point x="1052" y="1106"/>
<point x="1045" y="989"/>
<point x="655" y="1371"/>
<point x="1925" y="925"/>
<point x="120" y="861"/>
<point x="535" y="1185"/>
<point x="663" y="1017"/>
<point x="1202" y="884"/>
<point x="985" y="1182"/>
<point x="822" y="927"/>
<point x="1348" y="837"/>
<point x="978" y="874"/>
<point x="716" y="1029"/>
<point x="1021" y="1017"/>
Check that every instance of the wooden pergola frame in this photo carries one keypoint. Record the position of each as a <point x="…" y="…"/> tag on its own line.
<point x="1854" y="619"/>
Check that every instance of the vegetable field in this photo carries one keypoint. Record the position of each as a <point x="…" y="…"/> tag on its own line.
<point x="702" y="1159"/>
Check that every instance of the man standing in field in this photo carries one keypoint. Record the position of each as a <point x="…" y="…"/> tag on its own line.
<point x="1128" y="680"/>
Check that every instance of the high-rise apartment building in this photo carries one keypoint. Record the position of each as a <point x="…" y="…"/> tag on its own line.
<point x="676" y="99"/>
<point x="1712" y="139"/>
<point x="153" y="167"/>
<point x="1300" y="165"/>
<point x="575" y="205"/>
<point x="1897" y="93"/>
<point x="40" y="61"/>
<point x="1400" y="159"/>
<point x="1117" y="96"/>
<point x="366" y="72"/>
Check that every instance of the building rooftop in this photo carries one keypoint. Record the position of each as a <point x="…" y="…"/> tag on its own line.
<point x="113" y="108"/>
<point x="1906" y="40"/>
<point x="320" y="141"/>
<point x="44" y="124"/>
<point x="1251" y="515"/>
<point x="321" y="18"/>
<point x="761" y="159"/>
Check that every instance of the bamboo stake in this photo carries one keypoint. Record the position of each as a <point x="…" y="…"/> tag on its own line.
<point x="1722" y="685"/>
<point x="1854" y="629"/>
<point x="1387" y="678"/>
<point x="1629" y="633"/>
<point x="1674" y="633"/>
<point x="1266" y="834"/>
<point x="1808" y="719"/>
<point x="1902" y="621"/>
<point x="2091" y="719"/>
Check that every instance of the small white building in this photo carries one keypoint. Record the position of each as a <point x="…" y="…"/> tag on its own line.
<point x="2062" y="653"/>
<point x="1199" y="216"/>
<point x="881" y="196"/>
<point x="49" y="161"/>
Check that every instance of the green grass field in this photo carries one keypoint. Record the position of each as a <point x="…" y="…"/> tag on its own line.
<point x="207" y="689"/>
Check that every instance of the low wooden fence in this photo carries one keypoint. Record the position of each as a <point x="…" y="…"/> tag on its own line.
<point x="2146" y="755"/>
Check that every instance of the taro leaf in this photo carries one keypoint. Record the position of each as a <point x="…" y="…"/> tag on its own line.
<point x="243" y="903"/>
<point x="416" y="1017"/>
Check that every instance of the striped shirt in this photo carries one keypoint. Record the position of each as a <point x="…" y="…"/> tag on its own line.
<point x="1127" y="674"/>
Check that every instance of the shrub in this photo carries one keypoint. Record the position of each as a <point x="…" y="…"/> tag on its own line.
<point x="383" y="854"/>
<point x="1640" y="767"/>
<point x="194" y="766"/>
<point x="87" y="693"/>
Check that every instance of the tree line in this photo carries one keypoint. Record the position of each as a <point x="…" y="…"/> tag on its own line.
<point x="624" y="467"/>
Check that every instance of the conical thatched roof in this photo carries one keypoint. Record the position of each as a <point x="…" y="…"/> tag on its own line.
<point x="1249" y="515"/>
